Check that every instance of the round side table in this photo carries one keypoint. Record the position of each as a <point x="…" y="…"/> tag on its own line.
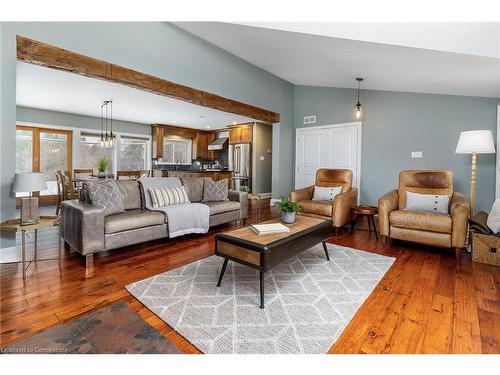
<point x="369" y="212"/>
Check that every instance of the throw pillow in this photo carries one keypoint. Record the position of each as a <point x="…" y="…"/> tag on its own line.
<point x="105" y="195"/>
<point x="493" y="221"/>
<point x="131" y="196"/>
<point x="326" y="193"/>
<point x="168" y="196"/>
<point x="438" y="204"/>
<point x="215" y="191"/>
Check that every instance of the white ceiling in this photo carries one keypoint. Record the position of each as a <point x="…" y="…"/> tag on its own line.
<point x="456" y="59"/>
<point x="54" y="90"/>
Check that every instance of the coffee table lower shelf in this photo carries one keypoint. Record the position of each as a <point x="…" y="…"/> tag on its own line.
<point x="262" y="253"/>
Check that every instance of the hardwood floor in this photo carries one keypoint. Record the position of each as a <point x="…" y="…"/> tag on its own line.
<point x="426" y="303"/>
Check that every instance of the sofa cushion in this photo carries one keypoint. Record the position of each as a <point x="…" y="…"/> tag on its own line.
<point x="194" y="187"/>
<point x="215" y="191"/>
<point x="323" y="208"/>
<point x="131" y="196"/>
<point x="223" y="206"/>
<point x="421" y="220"/>
<point x="132" y="219"/>
<point x="105" y="195"/>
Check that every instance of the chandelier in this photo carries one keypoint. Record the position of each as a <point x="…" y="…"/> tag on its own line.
<point x="107" y="139"/>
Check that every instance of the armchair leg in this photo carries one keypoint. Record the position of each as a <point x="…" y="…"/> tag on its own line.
<point x="383" y="239"/>
<point x="336" y="231"/>
<point x="458" y="252"/>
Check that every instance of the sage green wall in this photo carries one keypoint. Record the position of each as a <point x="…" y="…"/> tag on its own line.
<point x="263" y="168"/>
<point x="41" y="116"/>
<point x="157" y="48"/>
<point x="397" y="123"/>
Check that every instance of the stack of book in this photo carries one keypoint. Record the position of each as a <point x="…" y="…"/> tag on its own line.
<point x="274" y="228"/>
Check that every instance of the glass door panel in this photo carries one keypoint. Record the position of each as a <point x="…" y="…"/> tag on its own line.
<point x="24" y="153"/>
<point x="54" y="154"/>
<point x="43" y="150"/>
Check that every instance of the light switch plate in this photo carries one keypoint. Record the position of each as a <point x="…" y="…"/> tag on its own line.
<point x="261" y="157"/>
<point x="416" y="155"/>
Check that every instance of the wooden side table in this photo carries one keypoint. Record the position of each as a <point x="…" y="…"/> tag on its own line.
<point x="369" y="212"/>
<point x="45" y="222"/>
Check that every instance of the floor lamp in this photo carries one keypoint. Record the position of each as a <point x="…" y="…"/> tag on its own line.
<point x="475" y="142"/>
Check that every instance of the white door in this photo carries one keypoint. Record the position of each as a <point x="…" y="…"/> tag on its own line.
<point x="332" y="146"/>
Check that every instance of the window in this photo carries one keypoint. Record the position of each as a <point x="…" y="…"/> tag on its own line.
<point x="176" y="150"/>
<point x="133" y="153"/>
<point x="43" y="150"/>
<point x="91" y="152"/>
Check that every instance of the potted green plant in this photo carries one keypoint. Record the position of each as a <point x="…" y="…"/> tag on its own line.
<point x="288" y="209"/>
<point x="102" y="166"/>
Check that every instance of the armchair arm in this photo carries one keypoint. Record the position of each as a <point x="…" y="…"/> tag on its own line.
<point x="82" y="226"/>
<point x="302" y="194"/>
<point x="386" y="204"/>
<point x="242" y="197"/>
<point x="342" y="207"/>
<point x="459" y="211"/>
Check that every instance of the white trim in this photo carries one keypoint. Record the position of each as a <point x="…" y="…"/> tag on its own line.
<point x="359" y="128"/>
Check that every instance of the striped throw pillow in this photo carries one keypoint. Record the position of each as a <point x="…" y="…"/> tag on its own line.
<point x="168" y="196"/>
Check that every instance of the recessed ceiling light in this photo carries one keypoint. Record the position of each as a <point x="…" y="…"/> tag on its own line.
<point x="208" y="127"/>
<point x="174" y="122"/>
<point x="234" y="122"/>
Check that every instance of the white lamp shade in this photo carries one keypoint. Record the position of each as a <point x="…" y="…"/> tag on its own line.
<point x="27" y="182"/>
<point x="475" y="141"/>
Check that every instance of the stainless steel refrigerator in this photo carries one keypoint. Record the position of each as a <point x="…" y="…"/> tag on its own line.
<point x="239" y="162"/>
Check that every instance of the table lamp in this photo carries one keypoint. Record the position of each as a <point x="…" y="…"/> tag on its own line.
<point x="475" y="142"/>
<point x="28" y="182"/>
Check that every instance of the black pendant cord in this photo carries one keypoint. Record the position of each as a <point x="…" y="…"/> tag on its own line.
<point x="358" y="92"/>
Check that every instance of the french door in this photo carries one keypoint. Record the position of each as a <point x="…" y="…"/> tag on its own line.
<point x="331" y="146"/>
<point x="43" y="150"/>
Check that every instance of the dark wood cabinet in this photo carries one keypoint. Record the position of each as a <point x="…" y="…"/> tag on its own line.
<point x="200" y="145"/>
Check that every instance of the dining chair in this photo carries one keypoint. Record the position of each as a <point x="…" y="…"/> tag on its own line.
<point x="128" y="175"/>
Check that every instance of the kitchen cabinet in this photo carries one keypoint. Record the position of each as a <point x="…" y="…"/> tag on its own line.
<point x="200" y="140"/>
<point x="241" y="134"/>
<point x="200" y="146"/>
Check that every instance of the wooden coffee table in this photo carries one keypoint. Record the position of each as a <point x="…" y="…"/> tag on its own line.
<point x="264" y="252"/>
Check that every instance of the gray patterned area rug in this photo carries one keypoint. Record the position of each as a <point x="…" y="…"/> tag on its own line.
<point x="309" y="301"/>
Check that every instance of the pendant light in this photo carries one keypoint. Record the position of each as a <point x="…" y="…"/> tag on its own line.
<point x="359" y="108"/>
<point x="107" y="139"/>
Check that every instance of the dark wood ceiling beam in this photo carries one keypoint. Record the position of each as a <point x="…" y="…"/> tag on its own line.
<point x="34" y="52"/>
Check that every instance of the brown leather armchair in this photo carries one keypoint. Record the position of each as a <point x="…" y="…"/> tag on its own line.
<point x="419" y="226"/>
<point x="340" y="209"/>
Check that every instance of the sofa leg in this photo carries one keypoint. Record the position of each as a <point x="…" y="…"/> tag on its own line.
<point x="383" y="239"/>
<point x="458" y="252"/>
<point x="89" y="260"/>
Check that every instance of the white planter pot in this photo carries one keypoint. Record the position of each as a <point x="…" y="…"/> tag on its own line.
<point x="288" y="217"/>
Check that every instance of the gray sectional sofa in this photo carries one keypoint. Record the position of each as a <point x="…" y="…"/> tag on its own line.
<point x="87" y="230"/>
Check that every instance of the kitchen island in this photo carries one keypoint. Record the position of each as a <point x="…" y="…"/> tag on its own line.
<point x="216" y="175"/>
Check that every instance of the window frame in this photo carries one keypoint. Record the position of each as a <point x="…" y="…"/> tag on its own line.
<point x="189" y="150"/>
